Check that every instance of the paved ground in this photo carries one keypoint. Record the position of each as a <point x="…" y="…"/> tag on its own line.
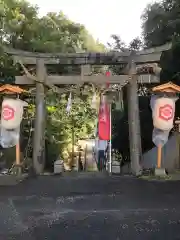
<point x="90" y="208"/>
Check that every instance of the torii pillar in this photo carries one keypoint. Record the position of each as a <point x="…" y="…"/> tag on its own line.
<point x="133" y="120"/>
<point x="40" y="120"/>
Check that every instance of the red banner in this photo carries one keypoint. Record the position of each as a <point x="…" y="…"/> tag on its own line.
<point x="104" y="120"/>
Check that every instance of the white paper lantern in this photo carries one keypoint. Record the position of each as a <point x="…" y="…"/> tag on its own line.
<point x="163" y="113"/>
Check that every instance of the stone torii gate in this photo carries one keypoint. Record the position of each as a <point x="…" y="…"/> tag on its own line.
<point x="130" y="61"/>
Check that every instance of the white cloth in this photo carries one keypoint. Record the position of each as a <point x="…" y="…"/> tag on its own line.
<point x="69" y="104"/>
<point x="9" y="138"/>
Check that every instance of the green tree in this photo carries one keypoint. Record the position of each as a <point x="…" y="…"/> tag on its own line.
<point x="155" y="24"/>
<point x="117" y="43"/>
<point x="65" y="129"/>
<point x="22" y="28"/>
<point x="135" y="44"/>
<point x="161" y="24"/>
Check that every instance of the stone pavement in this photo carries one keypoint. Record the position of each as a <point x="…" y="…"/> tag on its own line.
<point x="90" y="207"/>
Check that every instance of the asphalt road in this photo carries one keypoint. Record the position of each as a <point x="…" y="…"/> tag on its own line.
<point x="86" y="208"/>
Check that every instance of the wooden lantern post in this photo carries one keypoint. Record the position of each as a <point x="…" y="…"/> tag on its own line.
<point x="11" y="90"/>
<point x="167" y="89"/>
<point x="177" y="122"/>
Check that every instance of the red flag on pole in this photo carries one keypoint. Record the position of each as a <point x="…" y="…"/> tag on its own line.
<point x="104" y="120"/>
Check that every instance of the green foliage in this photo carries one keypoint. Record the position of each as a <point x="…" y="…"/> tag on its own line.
<point x="7" y="68"/>
<point x="64" y="128"/>
<point x="22" y="28"/>
<point x="135" y="44"/>
<point x="118" y="45"/>
<point x="161" y="22"/>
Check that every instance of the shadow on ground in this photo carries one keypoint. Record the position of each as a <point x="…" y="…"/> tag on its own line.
<point x="96" y="207"/>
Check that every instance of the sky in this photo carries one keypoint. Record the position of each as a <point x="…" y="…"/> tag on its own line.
<point x="101" y="18"/>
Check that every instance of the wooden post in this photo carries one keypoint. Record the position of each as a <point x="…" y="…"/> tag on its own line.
<point x="179" y="144"/>
<point x="133" y="120"/>
<point x="39" y="131"/>
<point x="159" y="156"/>
<point x="140" y="144"/>
<point x="73" y="141"/>
<point x="18" y="161"/>
<point x="178" y="141"/>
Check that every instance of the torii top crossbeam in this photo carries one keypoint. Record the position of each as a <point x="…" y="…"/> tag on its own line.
<point x="151" y="55"/>
<point x="107" y="58"/>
